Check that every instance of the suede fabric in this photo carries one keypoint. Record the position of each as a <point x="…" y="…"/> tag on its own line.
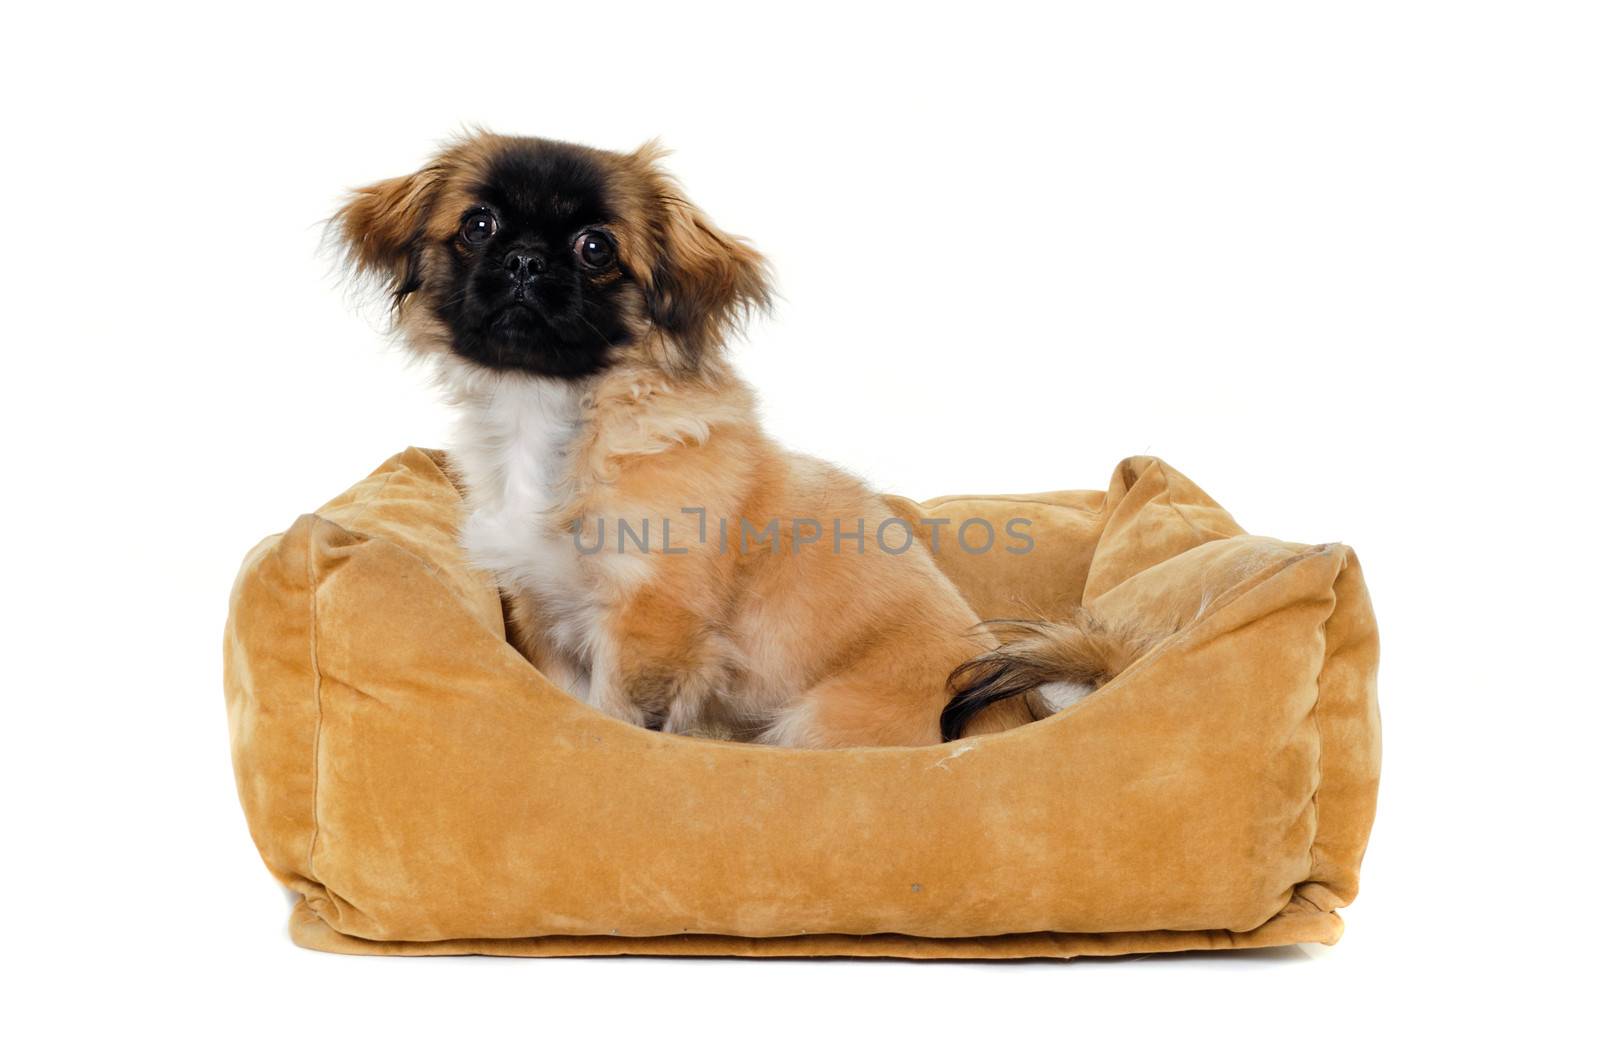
<point x="425" y="790"/>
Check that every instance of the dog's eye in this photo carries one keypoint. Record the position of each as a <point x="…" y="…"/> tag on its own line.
<point x="479" y="226"/>
<point x="595" y="249"/>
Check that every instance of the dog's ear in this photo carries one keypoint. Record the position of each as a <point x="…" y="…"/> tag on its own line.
<point x="381" y="228"/>
<point x="704" y="282"/>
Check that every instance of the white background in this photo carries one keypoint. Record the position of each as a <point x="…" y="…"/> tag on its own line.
<point x="1338" y="263"/>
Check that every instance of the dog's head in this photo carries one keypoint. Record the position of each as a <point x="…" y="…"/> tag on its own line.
<point x="543" y="257"/>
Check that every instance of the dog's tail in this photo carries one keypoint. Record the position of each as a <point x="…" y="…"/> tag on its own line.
<point x="1049" y="664"/>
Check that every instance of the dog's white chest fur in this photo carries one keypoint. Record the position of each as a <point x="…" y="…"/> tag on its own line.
<point x="513" y="446"/>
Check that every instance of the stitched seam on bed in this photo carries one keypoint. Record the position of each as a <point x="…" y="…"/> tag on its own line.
<point x="316" y="701"/>
<point x="1322" y="752"/>
<point x="1328" y="654"/>
<point x="1166" y="485"/>
<point x="316" y="678"/>
<point x="946" y="500"/>
<point x="377" y="493"/>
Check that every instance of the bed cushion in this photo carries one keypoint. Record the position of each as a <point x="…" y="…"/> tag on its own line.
<point x="424" y="790"/>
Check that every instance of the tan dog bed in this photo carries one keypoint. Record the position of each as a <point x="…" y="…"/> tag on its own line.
<point x="425" y="790"/>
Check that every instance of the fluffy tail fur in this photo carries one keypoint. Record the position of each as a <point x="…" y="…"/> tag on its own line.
<point x="1081" y="654"/>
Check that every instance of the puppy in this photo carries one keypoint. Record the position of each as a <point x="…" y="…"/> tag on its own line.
<point x="660" y="556"/>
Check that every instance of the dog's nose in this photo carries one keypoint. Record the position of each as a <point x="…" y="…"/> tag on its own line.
<point x="524" y="264"/>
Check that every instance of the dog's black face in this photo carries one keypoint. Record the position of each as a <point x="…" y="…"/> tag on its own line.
<point x="534" y="280"/>
<point x="537" y="256"/>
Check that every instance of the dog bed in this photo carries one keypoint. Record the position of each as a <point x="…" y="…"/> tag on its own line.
<point x="424" y="790"/>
